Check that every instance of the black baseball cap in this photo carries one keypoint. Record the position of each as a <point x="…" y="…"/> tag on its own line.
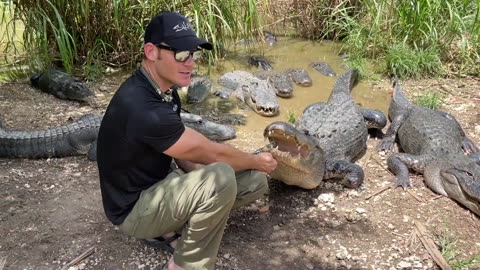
<point x="173" y="29"/>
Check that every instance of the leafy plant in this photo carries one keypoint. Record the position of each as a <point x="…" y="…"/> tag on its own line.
<point x="450" y="253"/>
<point x="431" y="100"/>
<point x="96" y="33"/>
<point x="292" y="117"/>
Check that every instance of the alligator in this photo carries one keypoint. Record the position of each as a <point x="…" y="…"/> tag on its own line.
<point x="260" y="62"/>
<point x="339" y="127"/>
<point x="299" y="76"/>
<point x="434" y="144"/>
<point x="199" y="89"/>
<point x="76" y="138"/>
<point x="323" y="68"/>
<point x="256" y="93"/>
<point x="61" y="85"/>
<point x="269" y="38"/>
<point x="280" y="81"/>
<point x="211" y="130"/>
<point x="79" y="138"/>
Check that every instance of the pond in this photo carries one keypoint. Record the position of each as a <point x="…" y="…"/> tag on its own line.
<point x="287" y="53"/>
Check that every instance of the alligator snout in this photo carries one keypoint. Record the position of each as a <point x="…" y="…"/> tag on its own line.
<point x="301" y="161"/>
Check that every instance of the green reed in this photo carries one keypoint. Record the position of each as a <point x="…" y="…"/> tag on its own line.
<point x="94" y="34"/>
<point x="445" y="34"/>
<point x="432" y="100"/>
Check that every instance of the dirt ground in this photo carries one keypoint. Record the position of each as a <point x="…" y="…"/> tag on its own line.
<point x="51" y="211"/>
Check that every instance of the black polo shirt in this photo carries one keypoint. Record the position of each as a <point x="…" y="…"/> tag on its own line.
<point x="136" y="128"/>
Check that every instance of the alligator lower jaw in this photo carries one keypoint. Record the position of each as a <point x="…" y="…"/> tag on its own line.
<point x="284" y="94"/>
<point x="305" y="84"/>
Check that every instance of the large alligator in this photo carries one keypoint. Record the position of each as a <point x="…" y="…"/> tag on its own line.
<point x="435" y="145"/>
<point x="79" y="138"/>
<point x="323" y="68"/>
<point x="260" y="62"/>
<point x="338" y="127"/>
<point x="270" y="38"/>
<point x="199" y="89"/>
<point x="62" y="85"/>
<point x="282" y="81"/>
<point x="258" y="94"/>
<point x="299" y="76"/>
<point x="76" y="138"/>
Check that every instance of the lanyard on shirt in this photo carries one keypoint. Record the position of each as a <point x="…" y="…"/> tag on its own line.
<point x="166" y="97"/>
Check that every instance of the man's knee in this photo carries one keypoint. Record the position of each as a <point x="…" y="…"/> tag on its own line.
<point x="260" y="182"/>
<point x="223" y="180"/>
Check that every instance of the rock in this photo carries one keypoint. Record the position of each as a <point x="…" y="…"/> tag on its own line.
<point x="404" y="265"/>
<point x="327" y="197"/>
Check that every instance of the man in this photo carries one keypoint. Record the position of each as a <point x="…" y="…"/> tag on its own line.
<point x="140" y="134"/>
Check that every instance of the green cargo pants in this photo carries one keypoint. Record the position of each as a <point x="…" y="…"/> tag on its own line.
<point x="197" y="204"/>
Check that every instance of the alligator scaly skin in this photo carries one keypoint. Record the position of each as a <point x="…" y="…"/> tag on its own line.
<point x="76" y="138"/>
<point x="433" y="143"/>
<point x="79" y="138"/>
<point x="338" y="127"/>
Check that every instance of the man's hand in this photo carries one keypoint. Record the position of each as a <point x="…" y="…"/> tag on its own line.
<point x="266" y="162"/>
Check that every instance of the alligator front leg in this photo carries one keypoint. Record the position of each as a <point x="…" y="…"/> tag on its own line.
<point x="374" y="118"/>
<point x="468" y="145"/>
<point x="389" y="139"/>
<point x="399" y="164"/>
<point x="92" y="152"/>
<point x="351" y="173"/>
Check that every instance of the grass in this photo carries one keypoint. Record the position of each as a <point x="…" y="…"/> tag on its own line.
<point x="292" y="117"/>
<point x="431" y="100"/>
<point x="86" y="36"/>
<point x="449" y="251"/>
<point x="406" y="39"/>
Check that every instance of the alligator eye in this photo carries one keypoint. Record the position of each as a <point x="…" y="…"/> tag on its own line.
<point x="469" y="174"/>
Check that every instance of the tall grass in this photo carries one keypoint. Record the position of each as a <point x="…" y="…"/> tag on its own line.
<point x="92" y="34"/>
<point x="396" y="37"/>
<point x="409" y="38"/>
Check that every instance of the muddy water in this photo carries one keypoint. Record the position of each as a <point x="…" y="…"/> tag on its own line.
<point x="291" y="53"/>
<point x="287" y="53"/>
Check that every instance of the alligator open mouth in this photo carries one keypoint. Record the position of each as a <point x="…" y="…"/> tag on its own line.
<point x="286" y="145"/>
<point x="301" y="161"/>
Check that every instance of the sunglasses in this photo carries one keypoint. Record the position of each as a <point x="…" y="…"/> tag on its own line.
<point x="182" y="56"/>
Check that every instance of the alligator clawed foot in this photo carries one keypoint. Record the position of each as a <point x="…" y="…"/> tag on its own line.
<point x="470" y="147"/>
<point x="385" y="145"/>
<point x="403" y="183"/>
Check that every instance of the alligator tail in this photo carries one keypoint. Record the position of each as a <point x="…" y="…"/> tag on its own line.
<point x="346" y="82"/>
<point x="398" y="96"/>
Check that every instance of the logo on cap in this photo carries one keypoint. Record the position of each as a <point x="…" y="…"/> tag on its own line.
<point x="182" y="27"/>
